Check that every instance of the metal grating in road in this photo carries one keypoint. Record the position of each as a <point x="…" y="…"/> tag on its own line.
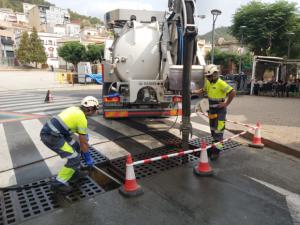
<point x="8" y="214"/>
<point x="98" y="158"/>
<point x="196" y="143"/>
<point x="86" y="188"/>
<point x="141" y="171"/>
<point x="37" y="198"/>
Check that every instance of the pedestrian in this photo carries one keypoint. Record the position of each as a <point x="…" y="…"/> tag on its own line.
<point x="217" y="90"/>
<point x="57" y="134"/>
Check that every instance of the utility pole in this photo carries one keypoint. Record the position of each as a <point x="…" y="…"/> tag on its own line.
<point x="290" y="35"/>
<point x="242" y="46"/>
<point x="215" y="13"/>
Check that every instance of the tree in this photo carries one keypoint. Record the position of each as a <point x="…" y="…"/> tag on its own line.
<point x="37" y="52"/>
<point x="267" y="26"/>
<point x="225" y="58"/>
<point x="22" y="52"/>
<point x="95" y="53"/>
<point x="72" y="52"/>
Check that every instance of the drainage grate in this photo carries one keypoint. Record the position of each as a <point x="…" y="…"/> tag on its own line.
<point x="97" y="157"/>
<point x="37" y="198"/>
<point x="196" y="143"/>
<point x="85" y="189"/>
<point x="8" y="215"/>
<point x="145" y="170"/>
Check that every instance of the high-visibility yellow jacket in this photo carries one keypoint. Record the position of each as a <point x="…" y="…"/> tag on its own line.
<point x="217" y="92"/>
<point x="74" y="118"/>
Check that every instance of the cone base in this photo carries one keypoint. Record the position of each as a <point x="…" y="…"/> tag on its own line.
<point x="203" y="174"/>
<point x="256" y="145"/>
<point x="139" y="191"/>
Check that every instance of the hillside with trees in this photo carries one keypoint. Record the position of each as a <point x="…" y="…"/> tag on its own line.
<point x="223" y="32"/>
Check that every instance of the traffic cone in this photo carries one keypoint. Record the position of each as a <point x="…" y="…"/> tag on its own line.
<point x="203" y="169"/>
<point x="130" y="187"/>
<point x="256" y="141"/>
<point x="49" y="97"/>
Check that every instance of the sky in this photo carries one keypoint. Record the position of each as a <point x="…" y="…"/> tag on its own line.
<point x="97" y="8"/>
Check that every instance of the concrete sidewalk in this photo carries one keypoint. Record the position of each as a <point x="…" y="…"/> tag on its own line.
<point x="279" y="118"/>
<point x="37" y="80"/>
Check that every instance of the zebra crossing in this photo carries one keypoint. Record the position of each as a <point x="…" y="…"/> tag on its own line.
<point x="33" y="103"/>
<point x="24" y="158"/>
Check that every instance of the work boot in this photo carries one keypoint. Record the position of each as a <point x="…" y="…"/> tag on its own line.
<point x="58" y="187"/>
<point x="215" y="152"/>
<point x="78" y="175"/>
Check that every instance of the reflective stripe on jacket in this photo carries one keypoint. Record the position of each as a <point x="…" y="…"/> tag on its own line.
<point x="218" y="91"/>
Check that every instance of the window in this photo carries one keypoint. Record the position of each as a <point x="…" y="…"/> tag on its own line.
<point x="50" y="42"/>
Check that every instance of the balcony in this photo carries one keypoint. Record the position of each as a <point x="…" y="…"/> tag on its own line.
<point x="5" y="41"/>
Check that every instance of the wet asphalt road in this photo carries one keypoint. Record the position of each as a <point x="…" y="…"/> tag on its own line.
<point x="177" y="196"/>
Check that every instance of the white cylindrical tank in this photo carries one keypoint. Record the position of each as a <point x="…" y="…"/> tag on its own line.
<point x="136" y="52"/>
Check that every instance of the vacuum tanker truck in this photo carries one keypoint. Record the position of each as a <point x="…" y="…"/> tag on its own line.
<point x="143" y="68"/>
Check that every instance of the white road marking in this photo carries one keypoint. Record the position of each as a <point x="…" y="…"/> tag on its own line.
<point x="117" y="126"/>
<point x="46" y="107"/>
<point x="5" y="158"/>
<point x="8" y="178"/>
<point x="33" y="128"/>
<point x="292" y="199"/>
<point x="111" y="150"/>
<point x="96" y="138"/>
<point x="148" y="141"/>
<point x="33" y="104"/>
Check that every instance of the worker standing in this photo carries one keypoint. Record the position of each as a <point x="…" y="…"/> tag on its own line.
<point x="217" y="90"/>
<point x="57" y="134"/>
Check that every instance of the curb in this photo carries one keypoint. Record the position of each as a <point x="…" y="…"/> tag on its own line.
<point x="271" y="144"/>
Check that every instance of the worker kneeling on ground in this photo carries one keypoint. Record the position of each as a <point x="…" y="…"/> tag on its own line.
<point x="57" y="134"/>
<point x="216" y="90"/>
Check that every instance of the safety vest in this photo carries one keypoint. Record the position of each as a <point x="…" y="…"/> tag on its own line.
<point x="217" y="92"/>
<point x="74" y="119"/>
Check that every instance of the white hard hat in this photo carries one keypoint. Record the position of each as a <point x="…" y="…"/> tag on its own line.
<point x="210" y="69"/>
<point x="90" y="101"/>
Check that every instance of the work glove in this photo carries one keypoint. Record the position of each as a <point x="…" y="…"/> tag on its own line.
<point x="88" y="159"/>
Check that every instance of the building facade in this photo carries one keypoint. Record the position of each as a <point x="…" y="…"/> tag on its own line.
<point x="50" y="43"/>
<point x="6" y="47"/>
<point x="42" y="17"/>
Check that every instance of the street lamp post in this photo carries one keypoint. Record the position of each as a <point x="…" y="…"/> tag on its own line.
<point x="242" y="40"/>
<point x="290" y="35"/>
<point x="215" y="13"/>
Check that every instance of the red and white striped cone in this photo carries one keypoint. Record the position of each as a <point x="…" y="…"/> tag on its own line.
<point x="50" y="97"/>
<point x="130" y="187"/>
<point x="203" y="169"/>
<point x="256" y="141"/>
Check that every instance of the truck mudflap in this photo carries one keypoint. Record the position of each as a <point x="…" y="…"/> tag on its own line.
<point x="125" y="113"/>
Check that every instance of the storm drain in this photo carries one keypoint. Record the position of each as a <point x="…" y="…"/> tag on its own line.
<point x="37" y="198"/>
<point x="196" y="143"/>
<point x="98" y="158"/>
<point x="86" y="188"/>
<point x="8" y="212"/>
<point x="141" y="171"/>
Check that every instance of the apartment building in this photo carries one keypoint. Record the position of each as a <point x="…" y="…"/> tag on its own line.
<point x="8" y="15"/>
<point x="6" y="47"/>
<point x="42" y="17"/>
